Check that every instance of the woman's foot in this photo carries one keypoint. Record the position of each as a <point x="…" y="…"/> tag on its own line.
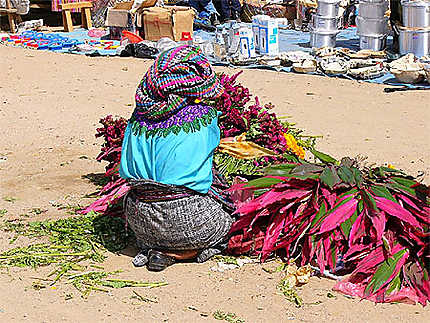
<point x="141" y="259"/>
<point x="183" y="254"/>
<point x="158" y="261"/>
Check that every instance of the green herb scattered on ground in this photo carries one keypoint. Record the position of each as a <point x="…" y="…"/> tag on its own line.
<point x="38" y="211"/>
<point x="290" y="293"/>
<point x="226" y="259"/>
<point x="228" y="317"/>
<point x="99" y="281"/>
<point x="72" y="244"/>
<point x="330" y="295"/>
<point x="70" y="209"/>
<point x="10" y="199"/>
<point x="3" y="212"/>
<point x="143" y="298"/>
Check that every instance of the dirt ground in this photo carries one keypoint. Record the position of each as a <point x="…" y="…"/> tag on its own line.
<point x="50" y="105"/>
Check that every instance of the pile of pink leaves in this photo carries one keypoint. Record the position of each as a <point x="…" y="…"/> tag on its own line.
<point x="369" y="225"/>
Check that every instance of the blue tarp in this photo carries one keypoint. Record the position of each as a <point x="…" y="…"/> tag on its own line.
<point x="289" y="40"/>
<point x="64" y="42"/>
<point x="294" y="40"/>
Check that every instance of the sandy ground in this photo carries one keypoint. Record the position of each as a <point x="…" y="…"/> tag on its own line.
<point x="50" y="105"/>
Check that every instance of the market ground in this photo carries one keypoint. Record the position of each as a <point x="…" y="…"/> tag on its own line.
<point x="50" y="105"/>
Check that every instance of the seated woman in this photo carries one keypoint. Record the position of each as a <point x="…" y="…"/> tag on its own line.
<point x="167" y="156"/>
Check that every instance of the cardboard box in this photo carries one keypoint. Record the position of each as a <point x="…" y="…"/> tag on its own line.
<point x="119" y="15"/>
<point x="173" y="21"/>
<point x="120" y="18"/>
<point x="269" y="37"/>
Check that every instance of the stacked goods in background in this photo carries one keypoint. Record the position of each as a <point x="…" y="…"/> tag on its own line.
<point x="325" y="23"/>
<point x="150" y="22"/>
<point x="174" y="22"/>
<point x="415" y="33"/>
<point x="266" y="34"/>
<point x="372" y="24"/>
<point x="119" y="18"/>
<point x="269" y="36"/>
<point x="240" y="41"/>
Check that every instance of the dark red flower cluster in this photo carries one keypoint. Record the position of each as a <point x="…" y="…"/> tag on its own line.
<point x="113" y="134"/>
<point x="261" y="126"/>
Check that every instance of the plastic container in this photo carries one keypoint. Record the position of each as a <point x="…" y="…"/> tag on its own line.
<point x="68" y="43"/>
<point x="55" y="46"/>
<point x="43" y="46"/>
<point x="132" y="37"/>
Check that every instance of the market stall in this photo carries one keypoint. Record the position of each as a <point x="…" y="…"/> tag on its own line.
<point x="303" y="36"/>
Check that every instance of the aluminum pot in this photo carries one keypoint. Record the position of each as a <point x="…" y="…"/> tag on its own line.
<point x="375" y="43"/>
<point x="372" y="10"/>
<point x="319" y="39"/>
<point x="321" y="23"/>
<point x="372" y="27"/>
<point x="416" y="41"/>
<point x="416" y="14"/>
<point x="328" y="8"/>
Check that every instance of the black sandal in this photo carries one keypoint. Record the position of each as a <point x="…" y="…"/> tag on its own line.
<point x="141" y="259"/>
<point x="158" y="261"/>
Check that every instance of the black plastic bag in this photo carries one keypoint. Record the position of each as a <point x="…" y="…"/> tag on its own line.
<point x="139" y="50"/>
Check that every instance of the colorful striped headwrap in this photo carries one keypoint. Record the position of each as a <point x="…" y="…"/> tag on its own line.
<point x="177" y="78"/>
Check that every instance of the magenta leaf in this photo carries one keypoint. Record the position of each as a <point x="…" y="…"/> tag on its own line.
<point x="394" y="209"/>
<point x="339" y="214"/>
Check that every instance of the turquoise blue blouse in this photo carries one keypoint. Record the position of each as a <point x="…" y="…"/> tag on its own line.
<point x="181" y="157"/>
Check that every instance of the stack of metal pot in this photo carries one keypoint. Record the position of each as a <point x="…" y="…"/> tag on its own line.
<point x="414" y="36"/>
<point x="372" y="24"/>
<point x="324" y="24"/>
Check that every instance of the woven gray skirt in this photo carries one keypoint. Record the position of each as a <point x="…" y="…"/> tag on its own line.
<point x="166" y="217"/>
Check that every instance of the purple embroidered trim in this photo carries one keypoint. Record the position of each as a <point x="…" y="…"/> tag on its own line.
<point x="188" y="119"/>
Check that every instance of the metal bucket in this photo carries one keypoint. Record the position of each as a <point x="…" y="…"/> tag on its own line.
<point x="416" y="14"/>
<point x="375" y="43"/>
<point x="320" y="23"/>
<point x="416" y="41"/>
<point x="372" y="10"/>
<point x="367" y="26"/>
<point x="321" y="39"/>
<point x="328" y="8"/>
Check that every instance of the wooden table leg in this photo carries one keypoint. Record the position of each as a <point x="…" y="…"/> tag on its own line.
<point x="86" y="18"/>
<point x="67" y="21"/>
<point x="11" y="17"/>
